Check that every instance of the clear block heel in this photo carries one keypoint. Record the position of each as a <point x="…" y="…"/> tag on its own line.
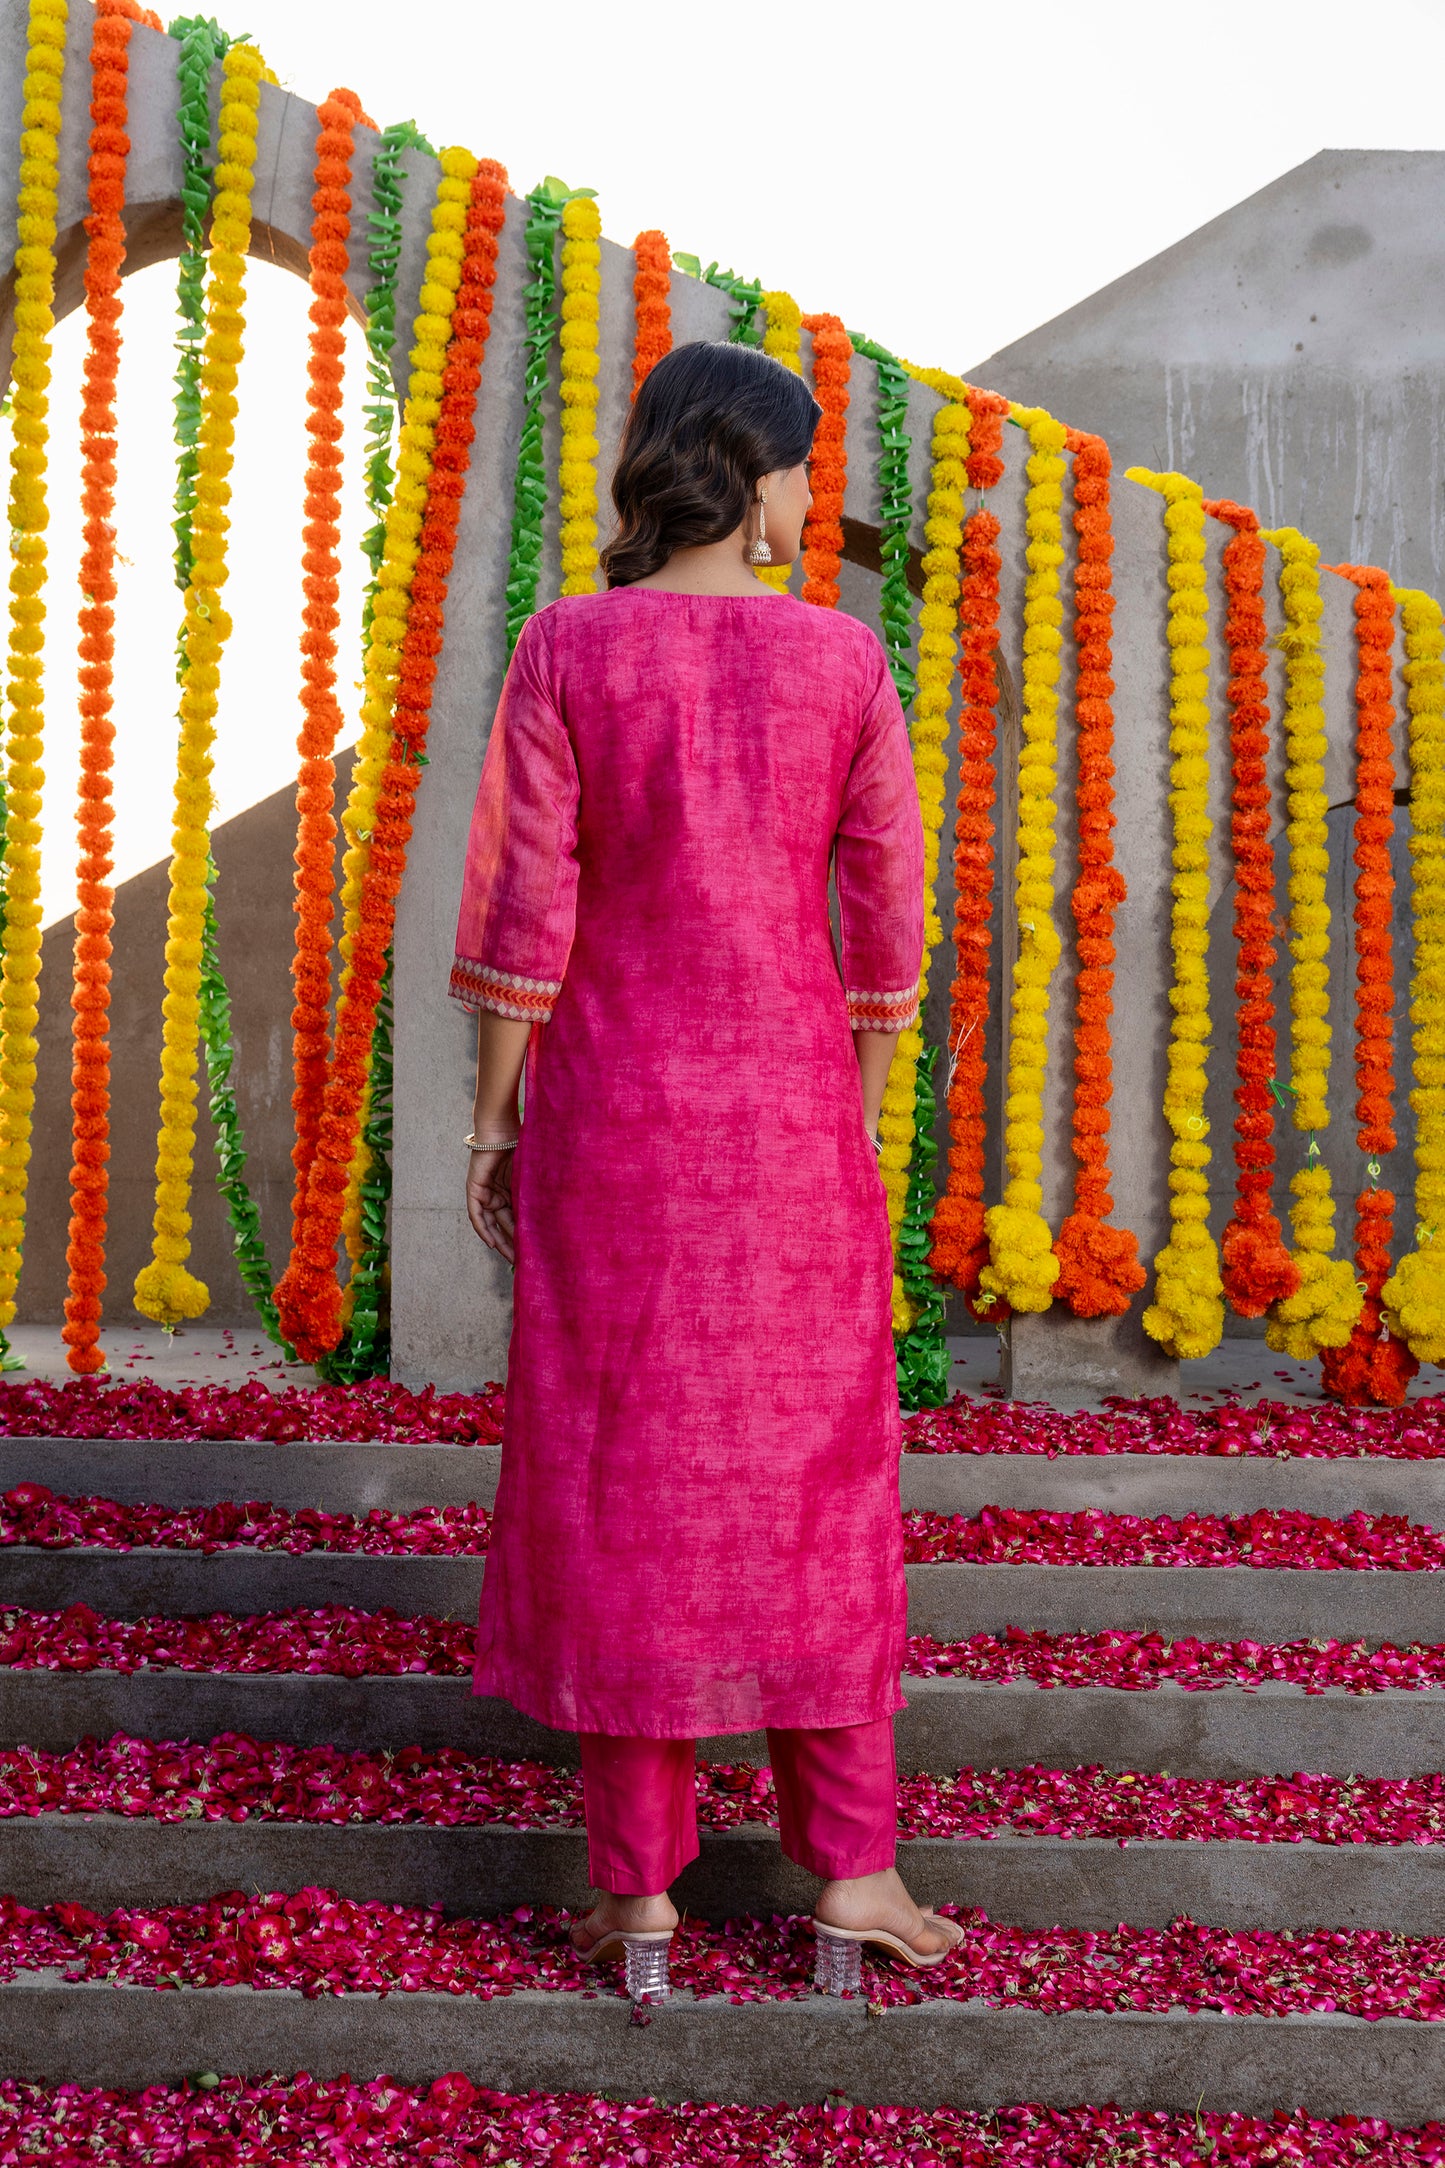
<point x="645" y="1961"/>
<point x="838" y="1967"/>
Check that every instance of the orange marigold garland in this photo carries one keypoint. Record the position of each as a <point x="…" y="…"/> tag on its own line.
<point x="94" y="917"/>
<point x="652" y="303"/>
<point x="1374" y="1368"/>
<point x="316" y="782"/>
<point x="960" y="1245"/>
<point x="1099" y="1268"/>
<point x="823" y="534"/>
<point x="1257" y="1266"/>
<point x="308" y="1296"/>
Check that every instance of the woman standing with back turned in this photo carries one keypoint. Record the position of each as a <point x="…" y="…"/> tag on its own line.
<point x="697" y="1529"/>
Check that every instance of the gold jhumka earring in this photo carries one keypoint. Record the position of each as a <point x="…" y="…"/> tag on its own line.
<point x="759" y="552"/>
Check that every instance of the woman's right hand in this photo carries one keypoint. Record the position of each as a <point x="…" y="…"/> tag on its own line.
<point x="489" y="1201"/>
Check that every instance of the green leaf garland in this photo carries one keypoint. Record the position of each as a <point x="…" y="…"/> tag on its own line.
<point x="896" y="515"/>
<point x="745" y="298"/>
<point x="922" y="1352"/>
<point x="529" y="499"/>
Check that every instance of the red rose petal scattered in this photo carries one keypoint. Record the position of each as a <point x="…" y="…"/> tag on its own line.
<point x="88" y="1408"/>
<point x="1413" y="1432"/>
<point x="1004" y="1536"/>
<point x="322" y="1944"/>
<point x="287" y="2122"/>
<point x="31" y="1514"/>
<point x="236" y="1778"/>
<point x="337" y="1641"/>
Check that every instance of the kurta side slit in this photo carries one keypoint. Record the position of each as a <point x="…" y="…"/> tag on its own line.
<point x="697" y="1528"/>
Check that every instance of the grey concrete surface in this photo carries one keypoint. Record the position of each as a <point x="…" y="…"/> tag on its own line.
<point x="1225" y="1731"/>
<point x="931" y="2053"/>
<point x="346" y="1478"/>
<point x="106" y="1860"/>
<point x="1227" y="1603"/>
<point x="949" y="1601"/>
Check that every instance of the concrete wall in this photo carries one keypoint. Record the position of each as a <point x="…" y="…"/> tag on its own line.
<point x="450" y="1299"/>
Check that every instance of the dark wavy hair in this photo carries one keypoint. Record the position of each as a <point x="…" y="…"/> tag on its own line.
<point x="709" y="422"/>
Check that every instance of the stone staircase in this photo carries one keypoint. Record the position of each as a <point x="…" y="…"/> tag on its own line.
<point x="716" y="2048"/>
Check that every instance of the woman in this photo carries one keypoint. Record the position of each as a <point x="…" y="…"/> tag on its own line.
<point x="698" y="1527"/>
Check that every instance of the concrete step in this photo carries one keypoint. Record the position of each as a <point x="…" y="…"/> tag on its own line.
<point x="1222" y="1732"/>
<point x="714" y="2049"/>
<point x="338" y="1478"/>
<point x="1227" y="1603"/>
<point x="108" y="1860"/>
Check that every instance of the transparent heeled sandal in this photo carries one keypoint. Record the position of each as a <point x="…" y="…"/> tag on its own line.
<point x="644" y="1961"/>
<point x="838" y="1965"/>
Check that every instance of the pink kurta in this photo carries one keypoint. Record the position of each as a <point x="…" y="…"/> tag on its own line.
<point x="698" y="1524"/>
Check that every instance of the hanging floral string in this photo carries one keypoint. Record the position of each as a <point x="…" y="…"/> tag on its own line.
<point x="782" y="338"/>
<point x="329" y="262"/>
<point x="37" y="204"/>
<point x="1186" y="1316"/>
<point x="1414" y="1297"/>
<point x="651" y="303"/>
<point x="897" y="1128"/>
<point x="383" y="257"/>
<point x="1099" y="1268"/>
<point x="823" y="534"/>
<point x="960" y="1241"/>
<point x="165" y="1289"/>
<point x="1022" y="1267"/>
<point x="923" y="1357"/>
<point x="1374" y="1368"/>
<point x="1323" y="1312"/>
<point x="577" y="466"/>
<point x="308" y="1296"/>
<point x="94" y="917"/>
<point x="1258" y="1269"/>
<point x="529" y="500"/>
<point x="745" y="298"/>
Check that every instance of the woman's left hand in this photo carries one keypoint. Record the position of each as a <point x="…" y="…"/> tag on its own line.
<point x="489" y="1201"/>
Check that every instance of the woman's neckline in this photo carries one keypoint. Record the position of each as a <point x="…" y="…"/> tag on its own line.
<point x="685" y="594"/>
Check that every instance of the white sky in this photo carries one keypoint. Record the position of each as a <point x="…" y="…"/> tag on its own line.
<point x="945" y="176"/>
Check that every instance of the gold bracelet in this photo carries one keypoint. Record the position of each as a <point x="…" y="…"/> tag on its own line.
<point x="472" y="1145"/>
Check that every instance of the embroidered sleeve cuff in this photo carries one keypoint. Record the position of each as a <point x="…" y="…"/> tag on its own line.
<point x="478" y="986"/>
<point x="883" y="1012"/>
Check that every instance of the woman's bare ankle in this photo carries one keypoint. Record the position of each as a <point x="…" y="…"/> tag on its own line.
<point x="881" y="1900"/>
<point x="634" y="1915"/>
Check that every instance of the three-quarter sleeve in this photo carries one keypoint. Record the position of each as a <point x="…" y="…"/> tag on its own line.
<point x="878" y="865"/>
<point x="519" y="894"/>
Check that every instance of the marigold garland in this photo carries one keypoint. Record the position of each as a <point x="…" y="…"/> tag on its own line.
<point x="529" y="498"/>
<point x="898" y="1125"/>
<point x="1324" y="1311"/>
<point x="1414" y="1297"/>
<point x="577" y="466"/>
<point x="329" y="262"/>
<point x="1258" y="1269"/>
<point x="1022" y="1267"/>
<point x="165" y="1290"/>
<point x="29" y="518"/>
<point x="1186" y="1316"/>
<point x="308" y="1297"/>
<point x="923" y="1357"/>
<point x="1099" y="1268"/>
<point x="652" y="304"/>
<point x="823" y="534"/>
<point x="960" y="1240"/>
<point x="782" y="338"/>
<point x="1374" y="1368"/>
<point x="90" y="999"/>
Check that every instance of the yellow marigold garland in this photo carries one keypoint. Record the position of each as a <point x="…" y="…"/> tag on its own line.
<point x="164" y="1289"/>
<point x="1414" y="1297"/>
<point x="1022" y="1267"/>
<point x="25" y="672"/>
<point x="928" y="730"/>
<point x="783" y="339"/>
<point x="1186" y="1316"/>
<point x="1329" y="1299"/>
<point x="401" y="543"/>
<point x="577" y="467"/>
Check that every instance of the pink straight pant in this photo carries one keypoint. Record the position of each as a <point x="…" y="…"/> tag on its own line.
<point x="837" y="1804"/>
